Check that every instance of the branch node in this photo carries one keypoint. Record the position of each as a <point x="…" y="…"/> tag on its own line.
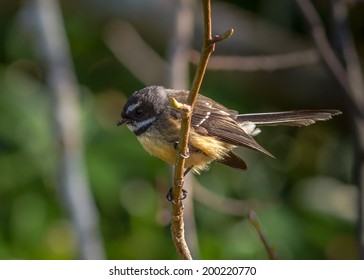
<point x="255" y="223"/>
<point x="180" y="106"/>
<point x="226" y="35"/>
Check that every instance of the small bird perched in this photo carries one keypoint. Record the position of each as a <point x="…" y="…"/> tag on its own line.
<point x="215" y="129"/>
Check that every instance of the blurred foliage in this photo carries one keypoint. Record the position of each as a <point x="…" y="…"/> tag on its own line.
<point x="308" y="203"/>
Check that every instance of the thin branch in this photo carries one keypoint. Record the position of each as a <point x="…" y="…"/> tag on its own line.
<point x="255" y="223"/>
<point x="347" y="48"/>
<point x="328" y="55"/>
<point x="134" y="52"/>
<point x="351" y="83"/>
<point x="177" y="227"/>
<point x="229" y="206"/>
<point x="260" y="62"/>
<point x="178" y="78"/>
<point x="322" y="43"/>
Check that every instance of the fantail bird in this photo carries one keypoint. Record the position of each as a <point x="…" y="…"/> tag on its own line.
<point x="215" y="129"/>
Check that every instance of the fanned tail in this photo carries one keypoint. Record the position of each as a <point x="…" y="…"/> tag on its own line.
<point x="291" y="118"/>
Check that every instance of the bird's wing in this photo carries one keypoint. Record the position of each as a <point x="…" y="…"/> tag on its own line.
<point x="213" y="119"/>
<point x="229" y="131"/>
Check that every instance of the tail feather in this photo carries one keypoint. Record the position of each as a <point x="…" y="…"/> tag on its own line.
<point x="233" y="161"/>
<point x="291" y="118"/>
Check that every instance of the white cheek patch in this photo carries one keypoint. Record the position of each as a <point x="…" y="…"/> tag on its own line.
<point x="132" y="107"/>
<point x="135" y="126"/>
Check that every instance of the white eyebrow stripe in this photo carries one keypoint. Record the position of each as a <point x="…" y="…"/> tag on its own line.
<point x="138" y="125"/>
<point x="132" y="107"/>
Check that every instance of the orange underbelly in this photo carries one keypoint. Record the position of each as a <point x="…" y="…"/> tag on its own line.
<point x="158" y="148"/>
<point x="209" y="149"/>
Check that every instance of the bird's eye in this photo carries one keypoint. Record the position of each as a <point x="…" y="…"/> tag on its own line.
<point x="138" y="111"/>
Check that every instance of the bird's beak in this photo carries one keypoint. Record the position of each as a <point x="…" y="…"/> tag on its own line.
<point x="121" y="122"/>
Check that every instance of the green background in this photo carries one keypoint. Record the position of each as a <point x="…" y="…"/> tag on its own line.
<point x="305" y="198"/>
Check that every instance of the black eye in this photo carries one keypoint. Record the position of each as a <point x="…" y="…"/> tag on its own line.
<point x="138" y="111"/>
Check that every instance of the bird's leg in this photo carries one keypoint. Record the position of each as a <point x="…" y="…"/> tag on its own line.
<point x="176" y="147"/>
<point x="187" y="171"/>
<point x="169" y="195"/>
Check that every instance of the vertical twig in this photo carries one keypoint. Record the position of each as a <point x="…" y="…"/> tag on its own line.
<point x="178" y="58"/>
<point x="54" y="50"/>
<point x="328" y="55"/>
<point x="177" y="227"/>
<point x="344" y="37"/>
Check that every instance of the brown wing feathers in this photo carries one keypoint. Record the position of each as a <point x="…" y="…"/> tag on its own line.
<point x="220" y="122"/>
<point x="211" y="118"/>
